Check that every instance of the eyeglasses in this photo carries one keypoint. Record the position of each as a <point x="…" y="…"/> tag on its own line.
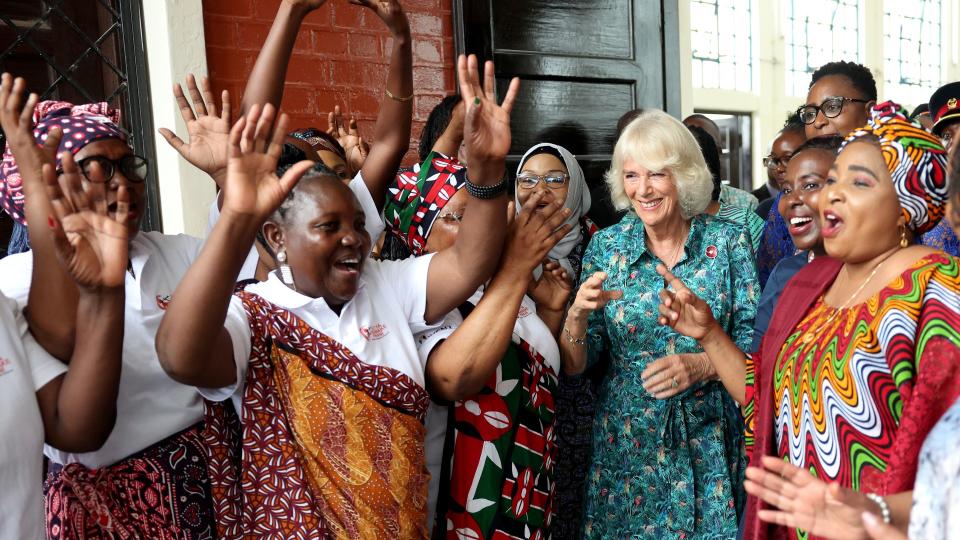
<point x="773" y="163"/>
<point x="134" y="167"/>
<point x="831" y="108"/>
<point x="553" y="180"/>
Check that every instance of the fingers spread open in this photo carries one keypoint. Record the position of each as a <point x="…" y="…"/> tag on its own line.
<point x="293" y="175"/>
<point x="61" y="207"/>
<point x="279" y="135"/>
<point x="186" y="111"/>
<point x="225" y="109"/>
<point x="264" y="130"/>
<point x="208" y="98"/>
<point x="511" y="97"/>
<point x="489" y="81"/>
<point x="195" y="96"/>
<point x="26" y="115"/>
<point x="236" y="136"/>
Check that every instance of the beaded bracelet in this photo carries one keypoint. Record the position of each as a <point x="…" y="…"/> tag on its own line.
<point x="884" y="507"/>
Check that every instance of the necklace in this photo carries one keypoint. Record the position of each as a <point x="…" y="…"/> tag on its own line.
<point x="811" y="333"/>
<point x="675" y="257"/>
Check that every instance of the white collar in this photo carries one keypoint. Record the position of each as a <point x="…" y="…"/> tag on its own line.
<point x="278" y="293"/>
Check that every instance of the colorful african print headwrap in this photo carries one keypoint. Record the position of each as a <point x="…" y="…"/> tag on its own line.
<point x="416" y="199"/>
<point x="319" y="140"/>
<point x="916" y="160"/>
<point x="81" y="125"/>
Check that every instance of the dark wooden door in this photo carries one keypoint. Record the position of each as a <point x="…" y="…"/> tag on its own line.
<point x="582" y="64"/>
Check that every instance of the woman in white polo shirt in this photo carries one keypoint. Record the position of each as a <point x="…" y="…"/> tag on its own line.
<point x="40" y="400"/>
<point x="321" y="358"/>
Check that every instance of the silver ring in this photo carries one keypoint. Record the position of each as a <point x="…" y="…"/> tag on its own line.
<point x="675" y="383"/>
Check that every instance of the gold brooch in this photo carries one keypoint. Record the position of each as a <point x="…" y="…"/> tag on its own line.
<point x="952" y="103"/>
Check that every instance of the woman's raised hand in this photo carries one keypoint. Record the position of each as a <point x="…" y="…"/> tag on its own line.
<point x="486" y="130"/>
<point x="16" y="119"/>
<point x="552" y="289"/>
<point x="533" y="234"/>
<point x="592" y="296"/>
<point x="208" y="129"/>
<point x="348" y="135"/>
<point x="802" y="501"/>
<point x="389" y="11"/>
<point x="91" y="244"/>
<point x="683" y="310"/>
<point x="252" y="188"/>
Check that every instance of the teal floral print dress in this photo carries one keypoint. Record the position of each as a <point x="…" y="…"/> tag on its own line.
<point x="671" y="468"/>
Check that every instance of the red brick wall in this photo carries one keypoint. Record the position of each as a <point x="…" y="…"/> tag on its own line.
<point x="341" y="57"/>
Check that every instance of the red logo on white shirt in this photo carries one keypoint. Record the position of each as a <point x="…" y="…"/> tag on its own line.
<point x="373" y="332"/>
<point x="5" y="366"/>
<point x="524" y="311"/>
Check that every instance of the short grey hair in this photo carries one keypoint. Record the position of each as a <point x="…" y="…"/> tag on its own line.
<point x="657" y="141"/>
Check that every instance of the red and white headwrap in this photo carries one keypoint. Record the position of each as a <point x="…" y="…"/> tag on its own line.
<point x="81" y="125"/>
<point x="916" y="160"/>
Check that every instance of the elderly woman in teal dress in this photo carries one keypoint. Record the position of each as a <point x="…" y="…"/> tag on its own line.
<point x="667" y="438"/>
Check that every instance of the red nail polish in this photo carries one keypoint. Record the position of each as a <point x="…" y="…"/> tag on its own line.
<point x="52" y="223"/>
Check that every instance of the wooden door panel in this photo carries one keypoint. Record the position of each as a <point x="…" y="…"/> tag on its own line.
<point x="600" y="28"/>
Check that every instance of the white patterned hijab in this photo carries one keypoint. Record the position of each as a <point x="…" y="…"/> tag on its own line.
<point x="578" y="201"/>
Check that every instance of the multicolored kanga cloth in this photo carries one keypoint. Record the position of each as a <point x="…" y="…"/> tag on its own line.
<point x="415" y="200"/>
<point x="160" y="493"/>
<point x="328" y="446"/>
<point x="856" y="391"/>
<point x="500" y="451"/>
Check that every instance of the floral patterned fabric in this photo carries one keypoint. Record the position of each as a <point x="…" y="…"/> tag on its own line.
<point x="328" y="446"/>
<point x="732" y="196"/>
<point x="665" y="468"/>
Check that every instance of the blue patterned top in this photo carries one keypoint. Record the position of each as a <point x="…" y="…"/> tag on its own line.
<point x="666" y="468"/>
<point x="942" y="237"/>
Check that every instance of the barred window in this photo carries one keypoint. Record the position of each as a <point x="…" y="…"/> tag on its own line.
<point x="817" y="32"/>
<point x="85" y="51"/>
<point x="722" y="43"/>
<point x="912" y="50"/>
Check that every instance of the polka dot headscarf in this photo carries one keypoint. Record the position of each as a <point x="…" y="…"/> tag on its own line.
<point x="81" y="125"/>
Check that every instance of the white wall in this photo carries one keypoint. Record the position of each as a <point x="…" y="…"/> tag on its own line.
<point x="770" y="100"/>
<point x="176" y="47"/>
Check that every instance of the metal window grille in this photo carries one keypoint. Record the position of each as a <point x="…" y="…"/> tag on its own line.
<point x="722" y="43"/>
<point x="912" y="50"/>
<point x="817" y="32"/>
<point x="85" y="51"/>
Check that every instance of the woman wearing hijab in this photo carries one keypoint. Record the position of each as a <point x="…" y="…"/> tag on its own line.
<point x="554" y="173"/>
<point x="861" y="355"/>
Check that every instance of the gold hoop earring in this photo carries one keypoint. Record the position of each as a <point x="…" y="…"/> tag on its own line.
<point x="903" y="236"/>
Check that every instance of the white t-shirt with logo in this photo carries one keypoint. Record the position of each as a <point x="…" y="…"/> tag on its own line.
<point x="25" y="368"/>
<point x="377" y="325"/>
<point x="150" y="405"/>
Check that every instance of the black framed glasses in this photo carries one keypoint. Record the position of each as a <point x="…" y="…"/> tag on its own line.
<point x="553" y="180"/>
<point x="773" y="162"/>
<point x="831" y="108"/>
<point x="134" y="167"/>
